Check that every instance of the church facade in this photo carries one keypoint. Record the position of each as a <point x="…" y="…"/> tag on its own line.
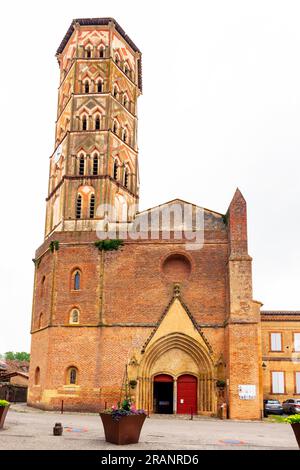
<point x="163" y="309"/>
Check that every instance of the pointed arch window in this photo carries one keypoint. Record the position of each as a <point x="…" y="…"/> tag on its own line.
<point x="126" y="69"/>
<point x="74" y="316"/>
<point x="76" y="280"/>
<point x="97" y="123"/>
<point x="95" y="164"/>
<point x="78" y="206"/>
<point x="101" y="52"/>
<point x="84" y="123"/>
<point x="81" y="165"/>
<point x="126" y="177"/>
<point x="88" y="53"/>
<point x="115" y="91"/>
<point x="116" y="167"/>
<point x="125" y="135"/>
<point x="92" y="206"/>
<point x="86" y="87"/>
<point x="100" y="86"/>
<point x="125" y="100"/>
<point x="43" y="286"/>
<point x="115" y="127"/>
<point x="117" y="59"/>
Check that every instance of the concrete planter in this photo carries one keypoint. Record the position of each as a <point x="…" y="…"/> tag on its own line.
<point x="125" y="431"/>
<point x="3" y="413"/>
<point x="296" y="429"/>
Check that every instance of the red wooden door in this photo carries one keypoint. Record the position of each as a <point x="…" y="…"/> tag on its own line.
<point x="186" y="394"/>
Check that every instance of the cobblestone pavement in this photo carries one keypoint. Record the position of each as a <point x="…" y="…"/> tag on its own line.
<point x="27" y="428"/>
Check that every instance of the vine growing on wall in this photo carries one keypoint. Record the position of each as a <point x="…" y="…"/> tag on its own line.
<point x="54" y="245"/>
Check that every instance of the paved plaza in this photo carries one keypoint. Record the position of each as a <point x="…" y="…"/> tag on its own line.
<point x="27" y="428"/>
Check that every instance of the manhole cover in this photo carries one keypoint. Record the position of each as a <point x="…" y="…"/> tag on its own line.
<point x="234" y="442"/>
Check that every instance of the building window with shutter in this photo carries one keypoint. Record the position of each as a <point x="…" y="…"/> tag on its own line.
<point x="78" y="206"/>
<point x="278" y="385"/>
<point x="116" y="166"/>
<point x="81" y="165"/>
<point x="95" y="165"/>
<point x="297" y="342"/>
<point x="92" y="206"/>
<point x="276" y="341"/>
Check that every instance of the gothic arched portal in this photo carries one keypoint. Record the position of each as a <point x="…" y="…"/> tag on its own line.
<point x="174" y="355"/>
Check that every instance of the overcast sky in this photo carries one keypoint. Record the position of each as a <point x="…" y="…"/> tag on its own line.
<point x="220" y="109"/>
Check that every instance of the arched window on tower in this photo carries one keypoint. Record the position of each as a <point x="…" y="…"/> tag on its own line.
<point x="115" y="91"/>
<point x="99" y="86"/>
<point x="116" y="167"/>
<point x="76" y="280"/>
<point x="72" y="376"/>
<point x="81" y="165"/>
<point x="126" y="69"/>
<point x="92" y="206"/>
<point x="115" y="127"/>
<point x="37" y="376"/>
<point x="43" y="286"/>
<point x="86" y="87"/>
<point x="88" y="53"/>
<point x="97" y="123"/>
<point x="74" y="316"/>
<point x="117" y="59"/>
<point x="125" y="100"/>
<point x="95" y="164"/>
<point x="101" y="52"/>
<point x="125" y="135"/>
<point x="84" y="123"/>
<point x="126" y="177"/>
<point x="78" y="206"/>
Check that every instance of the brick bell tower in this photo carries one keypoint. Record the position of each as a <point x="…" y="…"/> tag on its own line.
<point x="95" y="160"/>
<point x="94" y="164"/>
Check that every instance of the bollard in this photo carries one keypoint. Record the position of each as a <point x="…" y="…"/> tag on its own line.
<point x="58" y="429"/>
<point x="62" y="407"/>
<point x="191" y="413"/>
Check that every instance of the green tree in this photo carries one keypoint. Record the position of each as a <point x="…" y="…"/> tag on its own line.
<point x="19" y="356"/>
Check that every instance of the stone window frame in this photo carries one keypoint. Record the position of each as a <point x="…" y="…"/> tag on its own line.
<point x="73" y="309"/>
<point x="284" y="382"/>
<point x="270" y="341"/>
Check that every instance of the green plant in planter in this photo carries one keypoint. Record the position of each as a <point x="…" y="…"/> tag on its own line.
<point x="293" y="419"/>
<point x="109" y="245"/>
<point x="4" y="403"/>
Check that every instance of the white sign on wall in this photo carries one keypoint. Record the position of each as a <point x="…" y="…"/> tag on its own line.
<point x="247" y="392"/>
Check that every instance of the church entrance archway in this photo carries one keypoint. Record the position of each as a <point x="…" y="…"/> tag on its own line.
<point x="163" y="387"/>
<point x="189" y="365"/>
<point x="187" y="394"/>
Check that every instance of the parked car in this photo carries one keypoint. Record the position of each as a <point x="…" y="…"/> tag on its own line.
<point x="272" y="407"/>
<point x="291" y="406"/>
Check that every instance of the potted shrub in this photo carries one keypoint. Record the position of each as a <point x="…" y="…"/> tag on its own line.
<point x="4" y="405"/>
<point x="123" y="423"/>
<point x="294" y="421"/>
